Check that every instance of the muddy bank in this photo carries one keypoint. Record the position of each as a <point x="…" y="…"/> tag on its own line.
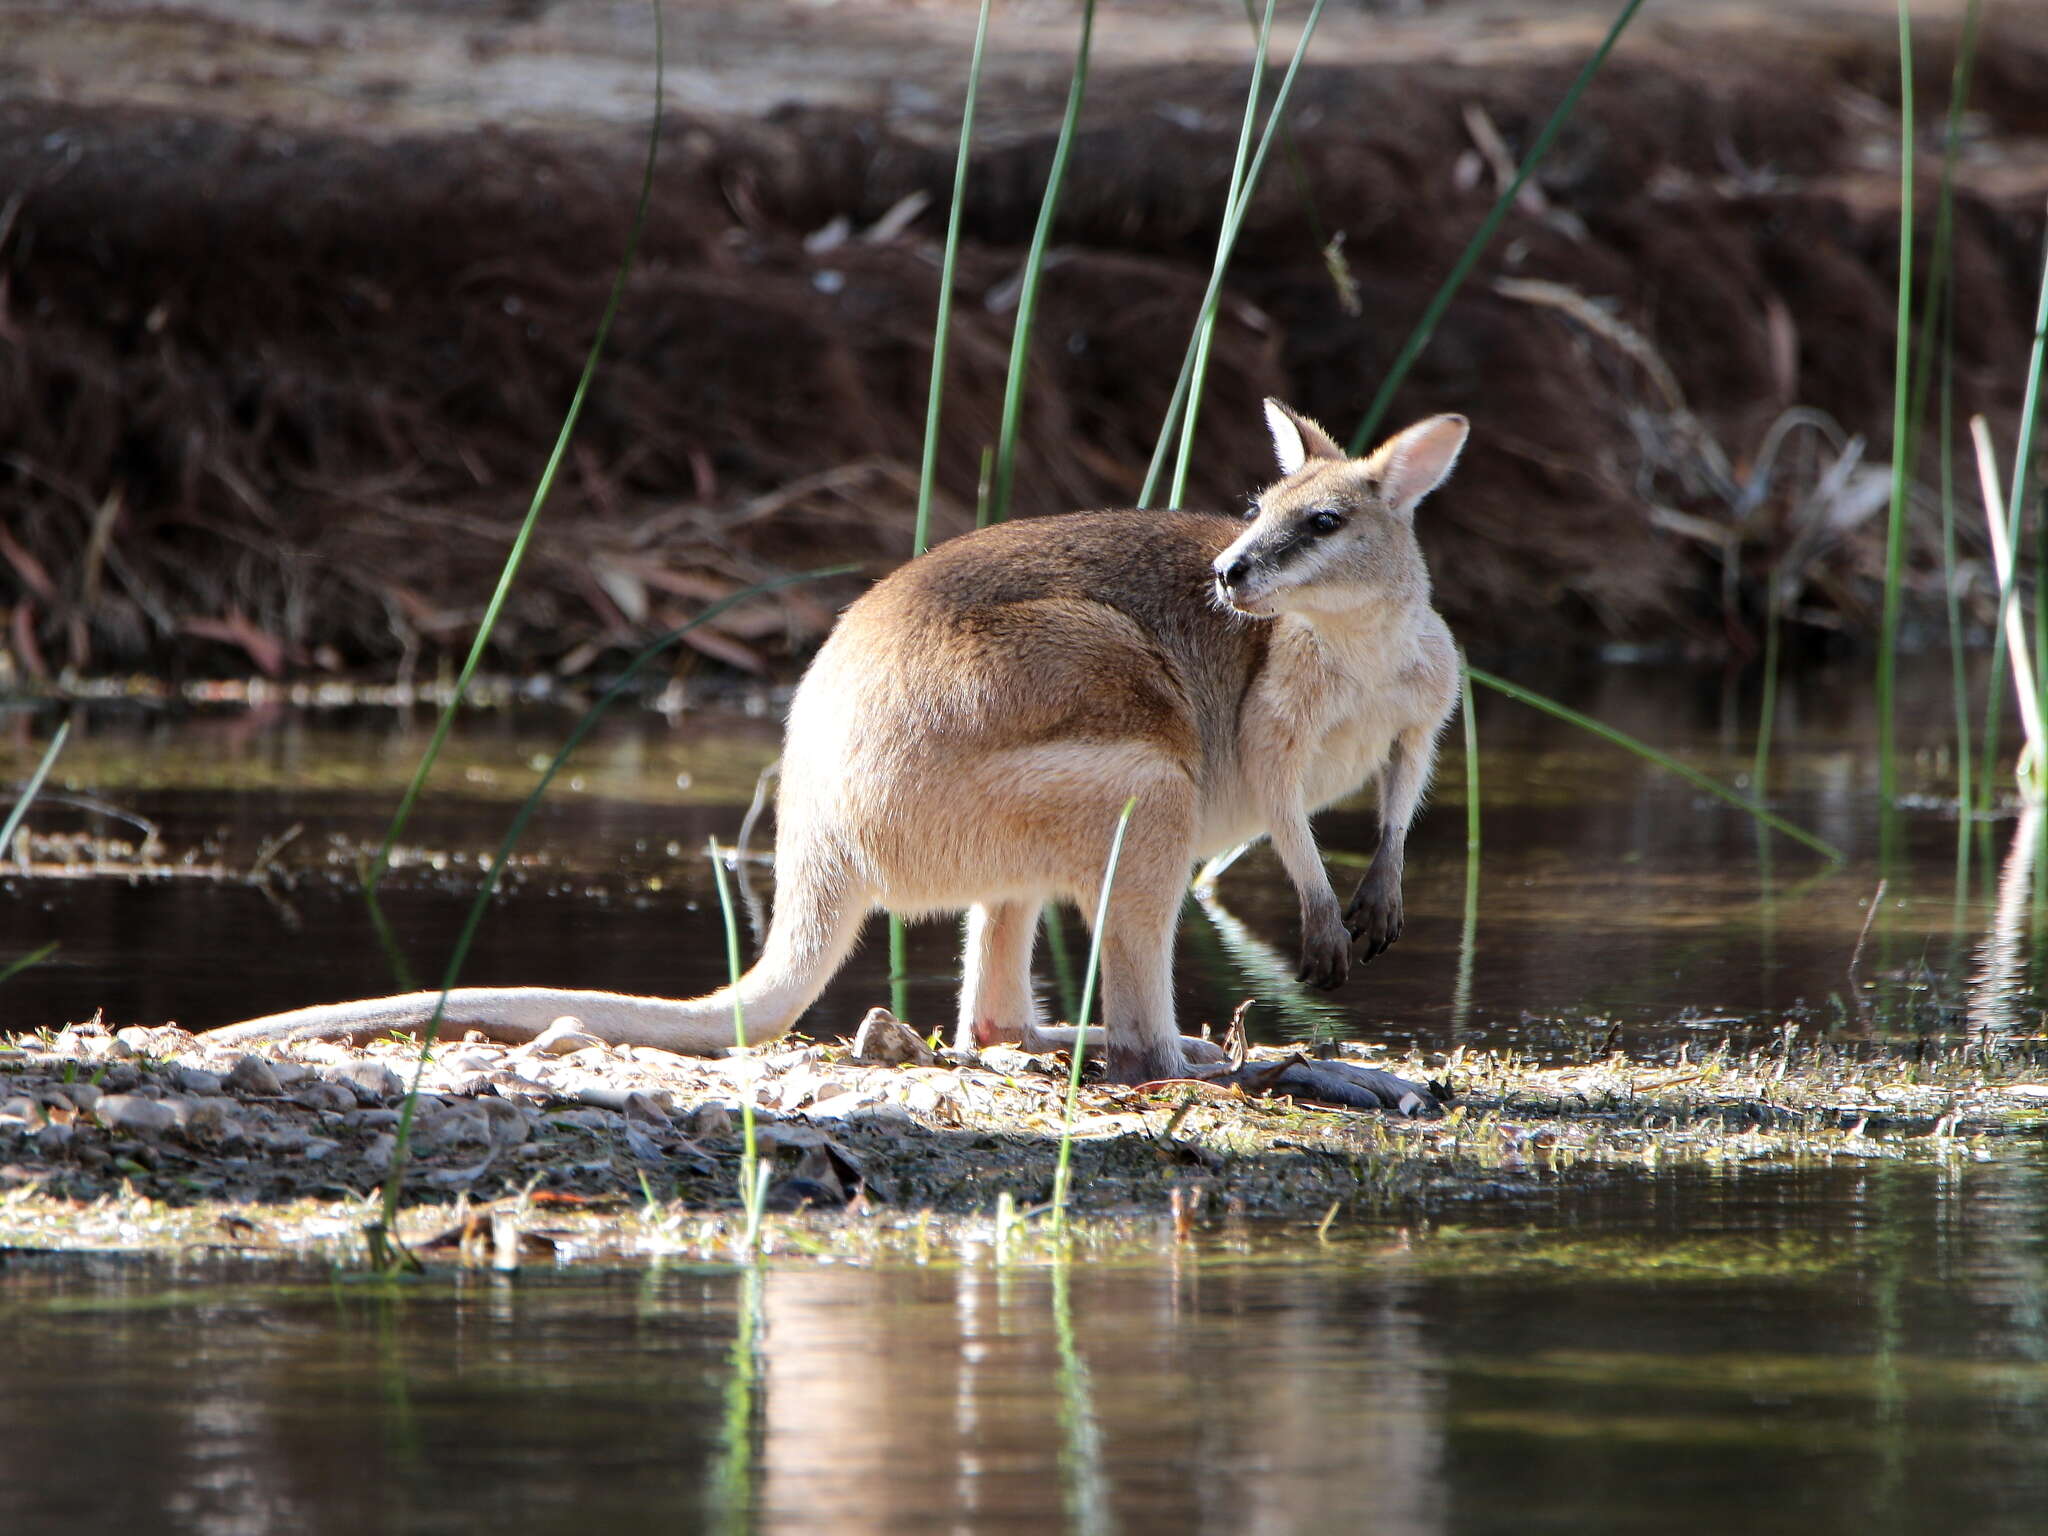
<point x="273" y="399"/>
<point x="148" y="1137"/>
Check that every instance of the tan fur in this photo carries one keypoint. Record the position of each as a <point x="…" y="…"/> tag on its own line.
<point x="970" y="731"/>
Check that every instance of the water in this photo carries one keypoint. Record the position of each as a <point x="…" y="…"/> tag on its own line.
<point x="1824" y="1348"/>
<point x="1859" y="1350"/>
<point x="1614" y="899"/>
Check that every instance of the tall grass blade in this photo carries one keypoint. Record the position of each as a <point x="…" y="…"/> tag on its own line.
<point x="480" y="903"/>
<point x="942" y="327"/>
<point x="381" y="864"/>
<point x="1085" y="1486"/>
<point x="1650" y="754"/>
<point x="2034" y="758"/>
<point x="32" y="788"/>
<point x="1205" y="326"/>
<point x="1468" y="933"/>
<point x="752" y="1192"/>
<point x="1441" y="301"/>
<point x="1233" y="223"/>
<point x="733" y="1477"/>
<point x="1034" y="267"/>
<point x="1062" y="1173"/>
<point x="34" y="957"/>
<point x="2015" y="504"/>
<point x="1902" y="435"/>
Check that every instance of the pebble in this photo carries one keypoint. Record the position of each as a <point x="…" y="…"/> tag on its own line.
<point x="82" y="1096"/>
<point x="327" y="1096"/>
<point x="208" y="1120"/>
<point x="138" y="1116"/>
<point x="200" y="1084"/>
<point x="255" y="1077"/>
<point x="561" y="1038"/>
<point x="372" y="1080"/>
<point x="53" y="1138"/>
<point x="507" y="1122"/>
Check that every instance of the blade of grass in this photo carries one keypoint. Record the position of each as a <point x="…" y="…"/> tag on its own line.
<point x="1034" y="266"/>
<point x="927" y="479"/>
<point x="2035" y="756"/>
<point x="751" y="1190"/>
<point x="1902" y="433"/>
<point x="1233" y="223"/>
<point x="1441" y="301"/>
<point x="1062" y="1173"/>
<point x="32" y="788"/>
<point x="381" y="864"/>
<point x="2022" y="458"/>
<point x="21" y="963"/>
<point x="1468" y="933"/>
<point x="942" y="326"/>
<point x="1650" y="754"/>
<point x="488" y="887"/>
<point x="1205" y="326"/>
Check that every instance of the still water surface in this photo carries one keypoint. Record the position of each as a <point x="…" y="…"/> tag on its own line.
<point x="1848" y="1350"/>
<point x="1817" y="1349"/>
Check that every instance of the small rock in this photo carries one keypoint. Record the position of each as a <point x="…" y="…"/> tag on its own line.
<point x="131" y="1042"/>
<point x="325" y="1096"/>
<point x="286" y="1142"/>
<point x="885" y="1040"/>
<point x="560" y="1038"/>
<point x="318" y="1147"/>
<point x="137" y="1116"/>
<point x="120" y="1076"/>
<point x="199" y="1084"/>
<point x="378" y="1153"/>
<point x="371" y="1119"/>
<point x="646" y="1107"/>
<point x="290" y="1074"/>
<point x="53" y="1140"/>
<point x="372" y="1081"/>
<point x="710" y="1122"/>
<point x="21" y="1111"/>
<point x="207" y="1120"/>
<point x="254" y="1076"/>
<point x="507" y="1122"/>
<point x="82" y="1096"/>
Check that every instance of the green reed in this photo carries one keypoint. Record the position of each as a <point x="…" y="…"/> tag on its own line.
<point x="1418" y="338"/>
<point x="12" y="825"/>
<point x="516" y="556"/>
<point x="1233" y="223"/>
<point x="1034" y="268"/>
<point x="1062" y="1173"/>
<point x="928" y="472"/>
<point x="753" y="1188"/>
<point x="1902" y="431"/>
<point x="1651" y="754"/>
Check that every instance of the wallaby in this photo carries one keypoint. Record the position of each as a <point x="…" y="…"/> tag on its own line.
<point x="970" y="731"/>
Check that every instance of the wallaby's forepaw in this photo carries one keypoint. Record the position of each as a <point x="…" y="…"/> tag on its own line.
<point x="1374" y="920"/>
<point x="1325" y="954"/>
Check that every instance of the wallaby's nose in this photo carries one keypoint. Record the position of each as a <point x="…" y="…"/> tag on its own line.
<point x="1234" y="573"/>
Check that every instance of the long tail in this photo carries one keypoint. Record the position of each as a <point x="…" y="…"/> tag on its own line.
<point x="816" y="922"/>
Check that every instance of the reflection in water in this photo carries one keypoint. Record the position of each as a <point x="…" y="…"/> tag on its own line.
<point x="1840" y="1348"/>
<point x="1999" y="986"/>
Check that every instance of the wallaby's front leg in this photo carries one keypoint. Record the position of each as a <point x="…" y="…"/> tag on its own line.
<point x="1374" y="915"/>
<point x="1325" y="946"/>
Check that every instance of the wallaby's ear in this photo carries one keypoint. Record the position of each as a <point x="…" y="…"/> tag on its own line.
<point x="1411" y="464"/>
<point x="1296" y="439"/>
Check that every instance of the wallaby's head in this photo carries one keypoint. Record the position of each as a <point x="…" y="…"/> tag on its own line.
<point x="1336" y="533"/>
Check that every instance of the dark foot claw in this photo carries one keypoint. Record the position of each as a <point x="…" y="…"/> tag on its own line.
<point x="1339" y="1082"/>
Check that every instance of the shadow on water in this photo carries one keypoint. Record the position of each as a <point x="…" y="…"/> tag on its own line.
<point x="1855" y="1348"/>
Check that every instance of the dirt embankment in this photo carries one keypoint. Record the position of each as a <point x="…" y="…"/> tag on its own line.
<point x="277" y="397"/>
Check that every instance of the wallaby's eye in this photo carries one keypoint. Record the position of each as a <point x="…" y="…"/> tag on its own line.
<point x="1325" y="522"/>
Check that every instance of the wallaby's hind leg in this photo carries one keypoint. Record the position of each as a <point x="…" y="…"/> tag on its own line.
<point x="996" y="1004"/>
<point x="1137" y="942"/>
